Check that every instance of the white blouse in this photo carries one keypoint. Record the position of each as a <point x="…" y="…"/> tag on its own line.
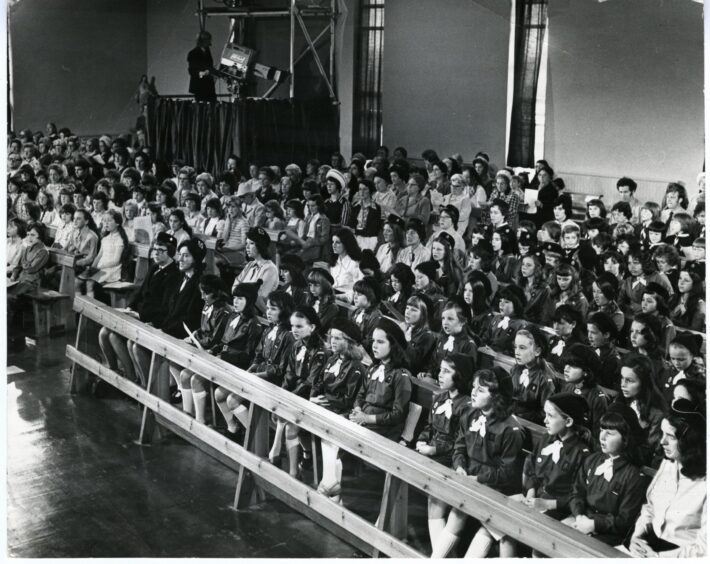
<point x="345" y="273"/>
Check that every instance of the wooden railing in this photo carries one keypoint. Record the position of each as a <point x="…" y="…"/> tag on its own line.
<point x="402" y="466"/>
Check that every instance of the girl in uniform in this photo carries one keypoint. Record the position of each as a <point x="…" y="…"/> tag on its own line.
<point x="608" y="491"/>
<point x="500" y="328"/>
<point x="322" y="297"/>
<point x="453" y="338"/>
<point x="402" y="283"/>
<point x="237" y="347"/>
<point x="336" y="388"/>
<point x="272" y="351"/>
<point x="437" y="439"/>
<point x="602" y="334"/>
<point x="293" y="282"/>
<point x="533" y="379"/>
<point x="307" y="360"/>
<point x="477" y="294"/>
<point x="488" y="449"/>
<point x="215" y="315"/>
<point x="582" y="369"/>
<point x="551" y="467"/>
<point x="421" y="342"/>
<point x="366" y="298"/>
<point x="383" y="401"/>
<point x="639" y="392"/>
<point x="570" y="328"/>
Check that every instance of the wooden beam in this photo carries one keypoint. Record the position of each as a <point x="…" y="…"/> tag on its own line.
<point x="489" y="506"/>
<point x="335" y="512"/>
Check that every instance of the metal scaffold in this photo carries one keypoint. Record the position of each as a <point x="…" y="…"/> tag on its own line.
<point x="238" y="11"/>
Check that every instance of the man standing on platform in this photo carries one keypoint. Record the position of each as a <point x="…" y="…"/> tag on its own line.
<point x="199" y="65"/>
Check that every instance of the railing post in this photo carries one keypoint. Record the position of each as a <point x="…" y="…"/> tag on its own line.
<point x="256" y="440"/>
<point x="148" y="419"/>
<point x="393" y="509"/>
<point x="78" y="372"/>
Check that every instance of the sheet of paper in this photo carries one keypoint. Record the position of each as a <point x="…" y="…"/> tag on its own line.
<point x="143" y="229"/>
<point x="530" y="199"/>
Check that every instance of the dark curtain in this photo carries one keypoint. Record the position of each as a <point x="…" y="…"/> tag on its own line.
<point x="268" y="131"/>
<point x="284" y="131"/>
<point x="531" y="18"/>
<point x="201" y="135"/>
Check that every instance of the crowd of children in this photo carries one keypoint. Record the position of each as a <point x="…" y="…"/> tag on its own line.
<point x="387" y="273"/>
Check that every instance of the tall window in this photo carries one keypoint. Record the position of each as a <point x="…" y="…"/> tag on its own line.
<point x="530" y="28"/>
<point x="368" y="93"/>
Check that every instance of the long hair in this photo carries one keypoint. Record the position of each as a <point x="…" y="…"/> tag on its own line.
<point x="538" y="273"/>
<point x="692" y="446"/>
<point x="695" y="295"/>
<point x="479" y="302"/>
<point x="126" y="252"/>
<point x="423" y="323"/>
<point x="564" y="269"/>
<point x="326" y="287"/>
<point x="183" y="223"/>
<point x="352" y="248"/>
<point x="398" y="236"/>
<point x="449" y="265"/>
<point x="648" y="395"/>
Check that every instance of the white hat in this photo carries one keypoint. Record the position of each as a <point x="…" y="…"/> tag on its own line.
<point x="245" y="188"/>
<point x="336" y="176"/>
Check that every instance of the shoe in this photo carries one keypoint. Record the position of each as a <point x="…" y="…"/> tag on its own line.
<point x="176" y="396"/>
<point x="235" y="436"/>
<point x="305" y="463"/>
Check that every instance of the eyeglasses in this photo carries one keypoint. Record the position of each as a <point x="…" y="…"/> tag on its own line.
<point x="159" y="251"/>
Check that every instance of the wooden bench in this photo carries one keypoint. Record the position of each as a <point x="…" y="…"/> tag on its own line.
<point x="119" y="292"/>
<point x="51" y="309"/>
<point x="402" y="467"/>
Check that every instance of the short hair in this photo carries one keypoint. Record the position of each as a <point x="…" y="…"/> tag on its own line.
<point x="553" y="230"/>
<point x="668" y="253"/>
<point x="624" y="208"/>
<point x="430" y="155"/>
<point x="654" y="208"/>
<point x="626" y="181"/>
<point x="462" y="382"/>
<point x="502" y="404"/>
<point x="680" y="190"/>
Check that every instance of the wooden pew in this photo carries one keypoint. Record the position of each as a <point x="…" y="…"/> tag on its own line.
<point x="399" y="463"/>
<point x="120" y="291"/>
<point x="51" y="309"/>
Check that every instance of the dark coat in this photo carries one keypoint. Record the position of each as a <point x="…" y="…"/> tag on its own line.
<point x="200" y="60"/>
<point x="147" y="300"/>
<point x="182" y="306"/>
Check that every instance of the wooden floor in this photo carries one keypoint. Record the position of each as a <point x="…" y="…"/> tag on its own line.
<point x="77" y="485"/>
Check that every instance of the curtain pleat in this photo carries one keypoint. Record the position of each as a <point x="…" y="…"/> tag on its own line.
<point x="266" y="131"/>
<point x="531" y="18"/>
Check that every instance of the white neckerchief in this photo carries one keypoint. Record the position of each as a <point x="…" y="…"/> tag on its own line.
<point x="316" y="306"/>
<point x="479" y="426"/>
<point x="207" y="310"/>
<point x="360" y="316"/>
<point x="503" y="323"/>
<point x="606" y="469"/>
<point x="272" y="334"/>
<point x="335" y="367"/>
<point x="640" y="280"/>
<point x="525" y="378"/>
<point x="378" y="374"/>
<point x="301" y="354"/>
<point x="408" y="334"/>
<point x="598" y="351"/>
<point x="554" y="450"/>
<point x="235" y="321"/>
<point x="449" y="344"/>
<point x="445" y="408"/>
<point x="678" y="377"/>
<point x="558" y="348"/>
<point x="394" y="297"/>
